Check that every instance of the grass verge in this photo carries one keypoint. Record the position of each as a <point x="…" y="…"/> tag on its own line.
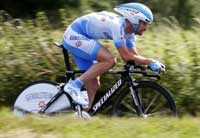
<point x="66" y="126"/>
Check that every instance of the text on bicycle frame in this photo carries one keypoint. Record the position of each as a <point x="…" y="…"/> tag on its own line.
<point x="107" y="95"/>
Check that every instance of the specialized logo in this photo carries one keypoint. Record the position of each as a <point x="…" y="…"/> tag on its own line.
<point x="107" y="95"/>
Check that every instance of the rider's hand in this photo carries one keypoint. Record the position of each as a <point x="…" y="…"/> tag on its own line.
<point x="157" y="66"/>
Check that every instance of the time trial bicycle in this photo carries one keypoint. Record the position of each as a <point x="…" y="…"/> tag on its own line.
<point x="134" y="97"/>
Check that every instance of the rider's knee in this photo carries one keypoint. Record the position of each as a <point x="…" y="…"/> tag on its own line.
<point x="112" y="61"/>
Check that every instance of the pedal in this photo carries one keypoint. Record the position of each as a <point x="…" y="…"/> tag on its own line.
<point x="79" y="111"/>
<point x="83" y="107"/>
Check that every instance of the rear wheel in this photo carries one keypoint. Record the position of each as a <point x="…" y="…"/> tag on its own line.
<point x="35" y="97"/>
<point x="154" y="99"/>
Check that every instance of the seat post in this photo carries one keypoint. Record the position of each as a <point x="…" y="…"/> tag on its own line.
<point x="66" y="57"/>
<point x="67" y="63"/>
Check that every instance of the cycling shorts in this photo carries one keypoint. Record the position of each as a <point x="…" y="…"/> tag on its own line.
<point x="84" y="50"/>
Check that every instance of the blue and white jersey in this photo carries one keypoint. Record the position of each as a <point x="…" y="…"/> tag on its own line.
<point x="103" y="25"/>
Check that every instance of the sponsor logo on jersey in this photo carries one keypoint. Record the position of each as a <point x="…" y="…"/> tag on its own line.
<point x="73" y="37"/>
<point x="78" y="43"/>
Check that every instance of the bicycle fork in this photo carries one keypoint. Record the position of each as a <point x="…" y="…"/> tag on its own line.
<point x="136" y="100"/>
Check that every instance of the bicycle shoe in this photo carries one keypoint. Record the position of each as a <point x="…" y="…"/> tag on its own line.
<point x="76" y="94"/>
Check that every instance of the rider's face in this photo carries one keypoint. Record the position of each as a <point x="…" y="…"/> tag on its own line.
<point x="142" y="28"/>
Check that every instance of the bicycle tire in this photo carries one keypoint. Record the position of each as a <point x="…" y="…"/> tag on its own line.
<point x="37" y="94"/>
<point x="122" y="105"/>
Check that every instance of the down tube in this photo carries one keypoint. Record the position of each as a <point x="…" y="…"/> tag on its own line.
<point x="95" y="108"/>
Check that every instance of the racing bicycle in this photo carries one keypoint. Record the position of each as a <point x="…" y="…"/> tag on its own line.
<point x="134" y="96"/>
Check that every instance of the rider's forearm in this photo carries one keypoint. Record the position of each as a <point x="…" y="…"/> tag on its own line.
<point x="133" y="55"/>
<point x="138" y="58"/>
<point x="141" y="60"/>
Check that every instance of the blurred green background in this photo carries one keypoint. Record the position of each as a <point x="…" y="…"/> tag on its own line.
<point x="29" y="27"/>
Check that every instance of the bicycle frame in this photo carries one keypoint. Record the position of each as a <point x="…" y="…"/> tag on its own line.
<point x="125" y="77"/>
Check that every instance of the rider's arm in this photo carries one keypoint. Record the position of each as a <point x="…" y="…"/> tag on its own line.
<point x="123" y="43"/>
<point x="132" y="55"/>
<point x="133" y="51"/>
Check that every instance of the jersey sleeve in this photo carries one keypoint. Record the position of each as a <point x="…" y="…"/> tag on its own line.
<point x="118" y="35"/>
<point x="130" y="41"/>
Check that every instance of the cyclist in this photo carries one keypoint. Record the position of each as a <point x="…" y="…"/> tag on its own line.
<point x="80" y="38"/>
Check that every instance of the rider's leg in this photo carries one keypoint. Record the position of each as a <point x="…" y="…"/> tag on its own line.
<point x="86" y="50"/>
<point x="90" y="78"/>
<point x="91" y="87"/>
<point x="105" y="61"/>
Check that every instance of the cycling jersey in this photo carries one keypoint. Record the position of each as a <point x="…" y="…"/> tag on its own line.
<point x="80" y="38"/>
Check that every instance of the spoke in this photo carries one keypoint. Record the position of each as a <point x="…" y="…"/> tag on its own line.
<point x="151" y="103"/>
<point x="129" y="107"/>
<point x="158" y="106"/>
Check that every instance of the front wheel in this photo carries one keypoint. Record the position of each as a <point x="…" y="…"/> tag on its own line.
<point x="154" y="99"/>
